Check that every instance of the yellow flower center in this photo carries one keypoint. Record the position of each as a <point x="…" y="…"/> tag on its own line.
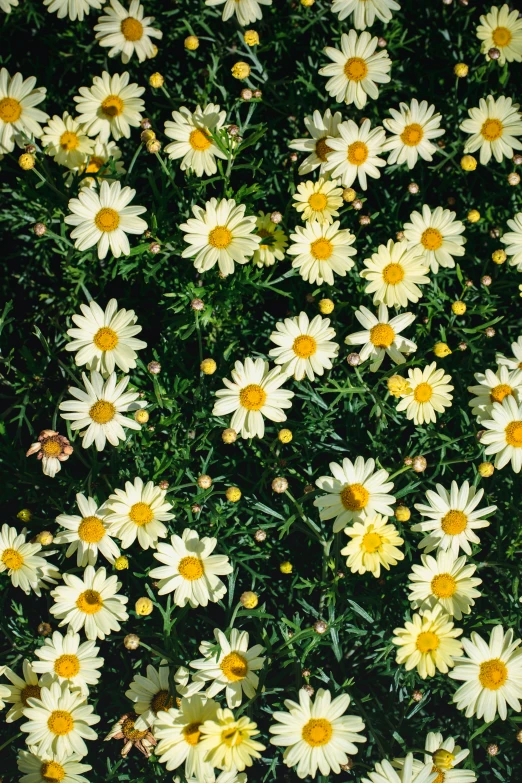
<point x="322" y="149"/>
<point x="492" y="130"/>
<point x="112" y="106"/>
<point x="60" y="722"/>
<point x="321" y="249"/>
<point x="412" y="135"/>
<point x="95" y="165"/>
<point x="493" y="674"/>
<point x="423" y="392"/>
<point x="141" y="514"/>
<point x="12" y="559"/>
<point x="355" y="69"/>
<point x="102" y="412"/>
<point x="357" y="153"/>
<point x="69" y="141"/>
<point x="67" y="666"/>
<point x="443" y="585"/>
<point x="91" y="530"/>
<point x="162" y="700"/>
<point x="304" y="346"/>
<point x="52" y="772"/>
<point x="443" y="759"/>
<point x="105" y="339"/>
<point x="30" y="692"/>
<point x="132" y="29"/>
<point x="51" y="448"/>
<point x="514" y="434"/>
<point x="233" y="737"/>
<point x="199" y="140"/>
<point x="252" y="397"/>
<point x="234" y="667"/>
<point x="89" y="602"/>
<point x="454" y="522"/>
<point x="130" y="733"/>
<point x="431" y="239"/>
<point x="440" y="774"/>
<point x="220" y="237"/>
<point x="371" y="542"/>
<point x="10" y="110"/>
<point x="392" y="274"/>
<point x="191" y="568"/>
<point x="192" y="733"/>
<point x="427" y="641"/>
<point x="354" y="497"/>
<point x="107" y="219"/>
<point x="501" y="36"/>
<point x="317" y="732"/>
<point x="498" y="393"/>
<point x="382" y="335"/>
<point x="318" y="201"/>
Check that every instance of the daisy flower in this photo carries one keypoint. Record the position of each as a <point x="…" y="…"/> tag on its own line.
<point x="318" y="201"/>
<point x="512" y="362"/>
<point x="127" y="31"/>
<point x="190" y="570"/>
<point x="179" y="732"/>
<point x="354" y="492"/>
<point x="104" y="219"/>
<point x="52" y="449"/>
<point x="110" y="106"/>
<point x="74" y="9"/>
<point x="92" y="602"/>
<point x="88" y="534"/>
<point x="304" y="346"/>
<point x="395" y="273"/>
<point x="192" y="139"/>
<point x="373" y="544"/>
<point x="447" y="580"/>
<point x="22" y="689"/>
<point x="381" y="336"/>
<point x="320" y="250"/>
<point x="451" y="518"/>
<point x="104" y="163"/>
<point x="105" y="340"/>
<point x="4" y="689"/>
<point x="442" y="755"/>
<point x="138" y="511"/>
<point x="501" y="29"/>
<point x="70" y="660"/>
<point x="492" y="388"/>
<point x="18" y="115"/>
<point x="412" y="127"/>
<point x="100" y="407"/>
<point x="7" y="5"/>
<point x="228" y="742"/>
<point x="354" y="153"/>
<point x="428" y="643"/>
<point x="504" y="436"/>
<point x="231" y="668"/>
<point x="151" y="695"/>
<point x="254" y="392"/>
<point x="494" y="126"/>
<point x="320" y="128"/>
<point x="409" y="772"/>
<point x="273" y="241"/>
<point x="436" y="236"/>
<point x="356" y="70"/>
<point x="25" y="568"/>
<point x="513" y="241"/>
<point x="317" y="735"/>
<point x="429" y="393"/>
<point x="492" y="675"/>
<point x="220" y="233"/>
<point x="66" y="141"/>
<point x="59" y="721"/>
<point x="364" y="12"/>
<point x="49" y="767"/>
<point x="247" y="11"/>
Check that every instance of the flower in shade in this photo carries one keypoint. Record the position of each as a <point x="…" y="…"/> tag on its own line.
<point x="395" y="273"/>
<point x="355" y="490"/>
<point x="110" y="106"/>
<point x="69" y="660"/>
<point x="22" y="689"/>
<point x="24" y="562"/>
<point x="501" y="29"/>
<point x="364" y="12"/>
<point x="446" y="580"/>
<point x="304" y="346"/>
<point x="442" y="756"/>
<point x="318" y="200"/>
<point x="138" y="511"/>
<point x="429" y="393"/>
<point x="428" y="643"/>
<point x="229" y="743"/>
<point x="88" y="534"/>
<point x="409" y="773"/>
<point x="492" y="388"/>
<point x="18" y="116"/>
<point x="436" y="235"/>
<point x="494" y="126"/>
<point x="317" y="735"/>
<point x="354" y="154"/>
<point x="381" y="336"/>
<point x="193" y="142"/>
<point x="247" y="11"/>
<point x="66" y="141"/>
<point x="52" y="449"/>
<point x="104" y="163"/>
<point x="125" y="729"/>
<point x="320" y="250"/>
<point x="151" y="695"/>
<point x="273" y="241"/>
<point x="74" y="9"/>
<point x="320" y="128"/>
<point x="127" y="31"/>
<point x="179" y="732"/>
<point x="51" y="767"/>
<point x="513" y="241"/>
<point x="356" y="69"/>
<point x="373" y="543"/>
<point x="504" y="433"/>
<point x="413" y="129"/>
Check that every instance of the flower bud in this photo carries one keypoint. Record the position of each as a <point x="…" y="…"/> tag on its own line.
<point x="156" y="80"/>
<point x="44" y="629"/>
<point x="441" y="350"/>
<point x="473" y="216"/>
<point x="208" y="366"/>
<point x="39" y="229"/>
<point x="45" y="538"/>
<point x="286" y="567"/>
<point x="144" y="606"/>
<point x="349" y="195"/>
<point x="197" y="304"/>
<point x="251" y="37"/>
<point x="131" y="641"/>
<point x="461" y="70"/>
<point x="285" y="435"/>
<point x="402" y="513"/>
<point x="419" y="464"/>
<point x="240" y="70"/>
<point x="279" y="485"/>
<point x="413" y="188"/>
<point x="204" y="481"/>
<point x="276" y="217"/>
<point x="154" y="368"/>
<point x="191" y="43"/>
<point x="513" y="178"/>
<point x="486" y="469"/>
<point x="353" y="359"/>
<point x="233" y="494"/>
<point x="320" y="626"/>
<point x="141" y="416"/>
<point x="249" y="599"/>
<point x="260" y="536"/>
<point x="468" y="163"/>
<point x="459" y="307"/>
<point x="26" y="161"/>
<point x="121" y="563"/>
<point x="229" y="435"/>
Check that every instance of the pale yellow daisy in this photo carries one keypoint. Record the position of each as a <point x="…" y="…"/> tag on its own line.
<point x="429" y="393"/>
<point x="318" y="200"/>
<point x="373" y="544"/>
<point x="501" y="29"/>
<point x="428" y="643"/>
<point x="394" y="273"/>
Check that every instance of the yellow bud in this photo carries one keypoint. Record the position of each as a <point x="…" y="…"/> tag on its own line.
<point x="141" y="416"/>
<point x="498" y="256"/>
<point x="229" y="435"/>
<point x="191" y="43"/>
<point x="473" y="216"/>
<point x="27" y="161"/>
<point x="349" y="195"/>
<point x="45" y="538"/>
<point x="459" y="308"/>
<point x="443" y="759"/>
<point x="144" y="606"/>
<point x="402" y="513"/>
<point x="147" y="135"/>
<point x="398" y="386"/>
<point x="285" y="436"/>
<point x="468" y="163"/>
<point x="156" y="80"/>
<point x="208" y="366"/>
<point x="286" y="567"/>
<point x="326" y="306"/>
<point x="251" y="37"/>
<point x="121" y="563"/>
<point x="307" y="3"/>
<point x="233" y="494"/>
<point x="461" y="70"/>
<point x="486" y="469"/>
<point x="249" y="599"/>
<point x="441" y="350"/>
<point x="240" y="70"/>
<point x="25" y="515"/>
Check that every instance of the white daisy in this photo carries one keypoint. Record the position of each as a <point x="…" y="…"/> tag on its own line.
<point x="364" y="12"/>
<point x="51" y="767"/>
<point x="127" y="31"/>
<point x="138" y="511"/>
<point x="151" y="695"/>
<point x="59" y="721"/>
<point x="381" y="336"/>
<point x="428" y="643"/>
<point x="395" y="273"/>
<point x="22" y="689"/>
<point x="25" y="568"/>
<point x="231" y="667"/>
<point x="254" y="392"/>
<point x="104" y="163"/>
<point x="74" y="9"/>
<point x="492" y="388"/>
<point x="180" y="737"/>
<point x="428" y="394"/>
<point x="442" y="756"/>
<point x="504" y="436"/>
<point x="92" y="602"/>
<point x="220" y="233"/>
<point x="273" y="241"/>
<point x="247" y="11"/>
<point x="385" y="773"/>
<point x="447" y="580"/>
<point x="492" y="675"/>
<point x="356" y="69"/>
<point x="436" y="235"/>
<point x="228" y="741"/>
<point x="110" y="106"/>
<point x="66" y="141"/>
<point x="304" y="346"/>
<point x="192" y="138"/>
<point x="317" y="735"/>
<point x="354" y="492"/>
<point x="100" y="407"/>
<point x="104" y="219"/>
<point x="501" y="29"/>
<point x="19" y="119"/>
<point x="512" y="362"/>
<point x="355" y="153"/>
<point x="4" y="689"/>
<point x="320" y="127"/>
<point x="412" y="127"/>
<point x="70" y="660"/>
<point x="318" y="200"/>
<point x="373" y="543"/>
<point x="452" y="518"/>
<point x="7" y="5"/>
<point x="513" y="241"/>
<point x="494" y="126"/>
<point x="320" y="250"/>
<point x="88" y="534"/>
